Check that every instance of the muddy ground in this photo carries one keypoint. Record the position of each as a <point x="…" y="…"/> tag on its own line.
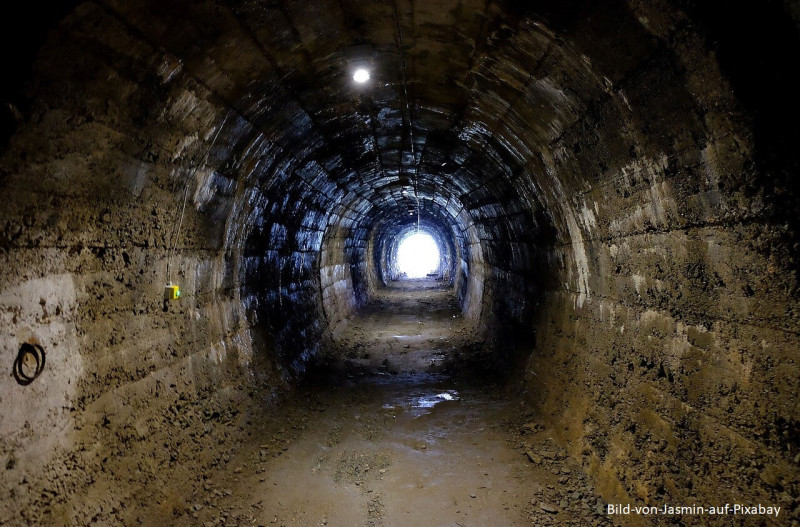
<point x="384" y="433"/>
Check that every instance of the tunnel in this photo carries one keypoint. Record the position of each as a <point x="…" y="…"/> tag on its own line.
<point x="205" y="315"/>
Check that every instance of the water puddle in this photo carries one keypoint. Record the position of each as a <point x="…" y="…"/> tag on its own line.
<point x="422" y="404"/>
<point x="427" y="402"/>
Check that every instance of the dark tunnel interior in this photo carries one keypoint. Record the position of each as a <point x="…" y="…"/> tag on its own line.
<point x="611" y="187"/>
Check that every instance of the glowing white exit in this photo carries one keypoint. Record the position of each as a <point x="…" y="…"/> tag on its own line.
<point x="418" y="255"/>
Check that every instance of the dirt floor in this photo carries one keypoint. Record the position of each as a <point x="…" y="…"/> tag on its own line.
<point x="382" y="436"/>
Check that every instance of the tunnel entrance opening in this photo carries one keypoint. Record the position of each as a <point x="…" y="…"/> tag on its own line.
<point x="418" y="256"/>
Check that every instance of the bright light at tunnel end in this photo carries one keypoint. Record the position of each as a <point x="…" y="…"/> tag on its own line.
<point x="361" y="76"/>
<point x="418" y="255"/>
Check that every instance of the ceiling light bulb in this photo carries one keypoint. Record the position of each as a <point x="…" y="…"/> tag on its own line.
<point x="361" y="76"/>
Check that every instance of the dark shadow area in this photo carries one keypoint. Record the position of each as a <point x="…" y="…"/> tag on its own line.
<point x="754" y="41"/>
<point x="23" y="29"/>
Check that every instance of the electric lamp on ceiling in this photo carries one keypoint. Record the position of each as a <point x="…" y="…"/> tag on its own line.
<point x="360" y="62"/>
<point x="361" y="75"/>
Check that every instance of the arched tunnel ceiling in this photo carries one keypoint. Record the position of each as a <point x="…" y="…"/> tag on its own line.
<point x="465" y="96"/>
<point x="481" y="94"/>
<point x="522" y="124"/>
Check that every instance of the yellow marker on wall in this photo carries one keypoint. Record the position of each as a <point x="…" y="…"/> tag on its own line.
<point x="172" y="292"/>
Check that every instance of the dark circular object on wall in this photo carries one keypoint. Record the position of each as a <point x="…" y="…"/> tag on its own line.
<point x="29" y="363"/>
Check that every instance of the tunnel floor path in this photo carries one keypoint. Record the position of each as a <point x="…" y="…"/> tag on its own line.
<point x="381" y="436"/>
<point x="415" y="326"/>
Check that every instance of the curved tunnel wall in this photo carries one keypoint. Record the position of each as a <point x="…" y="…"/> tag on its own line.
<point x="609" y="196"/>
